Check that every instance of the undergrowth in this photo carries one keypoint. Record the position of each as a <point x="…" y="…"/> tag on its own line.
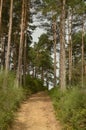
<point x="11" y="96"/>
<point x="70" y="107"/>
<point x="10" y="99"/>
<point x="34" y="84"/>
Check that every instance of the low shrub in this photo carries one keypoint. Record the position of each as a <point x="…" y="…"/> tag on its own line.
<point x="9" y="102"/>
<point x="11" y="96"/>
<point x="70" y="107"/>
<point x="10" y="99"/>
<point x="34" y="84"/>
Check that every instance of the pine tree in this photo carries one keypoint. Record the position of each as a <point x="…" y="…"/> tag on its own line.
<point x="62" y="47"/>
<point x="1" y="5"/>
<point x="19" y="69"/>
<point x="9" y="37"/>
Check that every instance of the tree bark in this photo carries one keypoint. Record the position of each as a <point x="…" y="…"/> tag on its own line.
<point x="25" y="65"/>
<point x="62" y="48"/>
<point x="70" y="44"/>
<point x="1" y="4"/>
<point x="25" y="41"/>
<point x="54" y="41"/>
<point x="1" y="38"/>
<point x="9" y="38"/>
<point x="82" y="78"/>
<point x="15" y="53"/>
<point x="2" y="53"/>
<point x="19" y="69"/>
<point x="8" y="46"/>
<point x="42" y="75"/>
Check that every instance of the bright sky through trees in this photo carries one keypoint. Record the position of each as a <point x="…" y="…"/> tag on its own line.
<point x="36" y="34"/>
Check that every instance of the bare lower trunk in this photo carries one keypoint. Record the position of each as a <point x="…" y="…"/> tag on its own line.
<point x="9" y="38"/>
<point x="25" y="65"/>
<point x="1" y="4"/>
<point x="25" y="42"/>
<point x="42" y="74"/>
<point x="2" y="53"/>
<point x="62" y="48"/>
<point x="15" y="53"/>
<point x="35" y="72"/>
<point x="8" y="46"/>
<point x="70" y="44"/>
<point x="55" y="41"/>
<point x="47" y="80"/>
<point x="70" y="63"/>
<point x="1" y="38"/>
<point x="19" y="69"/>
<point x="82" y="79"/>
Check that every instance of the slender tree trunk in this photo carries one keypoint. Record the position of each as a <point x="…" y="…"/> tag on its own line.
<point x="15" y="53"/>
<point x="9" y="37"/>
<point x="19" y="69"/>
<point x="2" y="52"/>
<point x="25" y="41"/>
<point x="70" y="44"/>
<point x="62" y="48"/>
<point x="82" y="79"/>
<point x="55" y="41"/>
<point x="25" y="65"/>
<point x="47" y="82"/>
<point x="1" y="4"/>
<point x="42" y="74"/>
<point x="1" y="38"/>
<point x="8" y="46"/>
<point x="35" y="72"/>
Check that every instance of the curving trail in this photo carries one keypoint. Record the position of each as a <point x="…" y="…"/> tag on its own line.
<point x="36" y="114"/>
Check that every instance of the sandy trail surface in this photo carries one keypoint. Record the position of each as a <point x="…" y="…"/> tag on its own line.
<point x="36" y="113"/>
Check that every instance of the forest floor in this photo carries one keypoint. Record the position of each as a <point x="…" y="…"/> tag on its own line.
<point x="37" y="113"/>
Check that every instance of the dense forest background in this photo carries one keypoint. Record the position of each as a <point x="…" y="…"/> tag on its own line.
<point x="57" y="59"/>
<point x="64" y="41"/>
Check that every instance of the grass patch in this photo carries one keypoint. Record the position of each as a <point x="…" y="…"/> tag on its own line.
<point x="70" y="107"/>
<point x="12" y="96"/>
<point x="10" y="99"/>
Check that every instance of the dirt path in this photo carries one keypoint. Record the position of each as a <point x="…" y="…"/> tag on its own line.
<point x="36" y="114"/>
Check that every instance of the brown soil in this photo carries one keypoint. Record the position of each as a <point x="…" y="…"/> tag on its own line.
<point x="36" y="113"/>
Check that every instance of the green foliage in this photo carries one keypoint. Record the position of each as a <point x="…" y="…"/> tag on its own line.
<point x="34" y="84"/>
<point x="77" y="58"/>
<point x="40" y="58"/>
<point x="10" y="99"/>
<point x="70" y="107"/>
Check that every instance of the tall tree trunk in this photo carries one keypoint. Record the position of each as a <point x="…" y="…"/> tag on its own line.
<point x="25" y="59"/>
<point x="27" y="4"/>
<point x="70" y="43"/>
<point x="15" y="53"/>
<point x="1" y="4"/>
<point x="8" y="46"/>
<point x="82" y="79"/>
<point x="55" y="41"/>
<point x="9" y="37"/>
<point x="62" y="48"/>
<point x="1" y="38"/>
<point x="19" y="69"/>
